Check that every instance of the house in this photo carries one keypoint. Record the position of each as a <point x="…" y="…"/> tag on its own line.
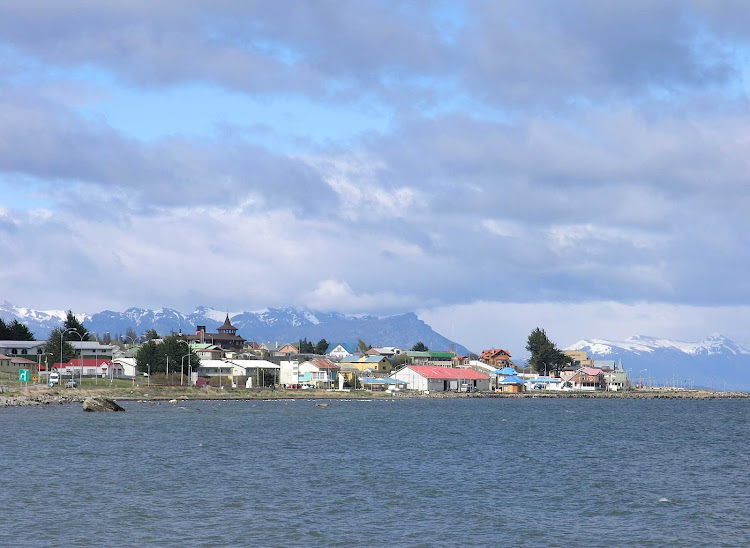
<point x="225" y="337"/>
<point x="615" y="380"/>
<point x="207" y="351"/>
<point x="13" y="364"/>
<point x="339" y="351"/>
<point x="286" y="350"/>
<point x="318" y="371"/>
<point x="431" y="378"/>
<point x="124" y="367"/>
<point x="431" y="357"/>
<point x="586" y="378"/>
<point x="498" y="375"/>
<point x="377" y="363"/>
<point x="496" y="357"/>
<point x="512" y="384"/>
<point x="278" y="350"/>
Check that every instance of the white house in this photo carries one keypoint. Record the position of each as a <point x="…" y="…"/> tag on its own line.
<point x="125" y="366"/>
<point x="338" y="351"/>
<point x="430" y="378"/>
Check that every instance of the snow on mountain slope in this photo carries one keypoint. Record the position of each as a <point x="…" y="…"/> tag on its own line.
<point x="713" y="344"/>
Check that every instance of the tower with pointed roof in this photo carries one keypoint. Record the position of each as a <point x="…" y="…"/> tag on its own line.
<point x="227" y="327"/>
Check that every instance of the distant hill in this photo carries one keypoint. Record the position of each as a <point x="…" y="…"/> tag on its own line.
<point x="708" y="363"/>
<point x="273" y="324"/>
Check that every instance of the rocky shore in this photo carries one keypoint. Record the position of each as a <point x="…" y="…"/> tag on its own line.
<point x="43" y="397"/>
<point x="11" y="399"/>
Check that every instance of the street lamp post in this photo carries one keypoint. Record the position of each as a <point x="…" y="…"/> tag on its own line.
<point x="134" y="363"/>
<point x="190" y="372"/>
<point x="182" y="367"/>
<point x="80" y="348"/>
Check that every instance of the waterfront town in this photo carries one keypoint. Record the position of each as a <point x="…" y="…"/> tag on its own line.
<point x="223" y="359"/>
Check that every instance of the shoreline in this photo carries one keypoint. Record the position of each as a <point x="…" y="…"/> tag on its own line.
<point x="43" y="396"/>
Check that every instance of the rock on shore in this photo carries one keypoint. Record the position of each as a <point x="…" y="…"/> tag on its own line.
<point x="101" y="404"/>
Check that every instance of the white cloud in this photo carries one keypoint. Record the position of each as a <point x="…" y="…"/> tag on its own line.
<point x="338" y="296"/>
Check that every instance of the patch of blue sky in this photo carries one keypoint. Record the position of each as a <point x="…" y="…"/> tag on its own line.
<point x="450" y="18"/>
<point x="23" y="193"/>
<point x="200" y="110"/>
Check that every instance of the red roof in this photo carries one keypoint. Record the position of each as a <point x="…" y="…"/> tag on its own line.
<point x="436" y="372"/>
<point x="89" y="362"/>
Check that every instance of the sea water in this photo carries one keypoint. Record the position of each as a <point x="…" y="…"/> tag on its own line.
<point x="448" y="472"/>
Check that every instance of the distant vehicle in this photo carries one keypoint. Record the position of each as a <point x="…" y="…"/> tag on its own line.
<point x="72" y="383"/>
<point x="54" y="378"/>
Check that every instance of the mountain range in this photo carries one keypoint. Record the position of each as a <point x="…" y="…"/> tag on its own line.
<point x="714" y="362"/>
<point x="273" y="324"/>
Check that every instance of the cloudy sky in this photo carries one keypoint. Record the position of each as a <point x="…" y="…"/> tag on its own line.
<point x="581" y="166"/>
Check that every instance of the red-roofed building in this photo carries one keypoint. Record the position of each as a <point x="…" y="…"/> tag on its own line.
<point x="91" y="367"/>
<point x="428" y="378"/>
<point x="496" y="357"/>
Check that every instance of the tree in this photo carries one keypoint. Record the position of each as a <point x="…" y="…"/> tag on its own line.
<point x="151" y="334"/>
<point x="15" y="331"/>
<point x="362" y="346"/>
<point x="306" y="347"/>
<point x="420" y="347"/>
<point x="155" y="355"/>
<point x="53" y="348"/>
<point x="71" y="322"/>
<point x="321" y="347"/>
<point x="545" y="356"/>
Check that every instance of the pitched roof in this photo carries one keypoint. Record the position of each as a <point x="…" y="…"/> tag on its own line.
<point x="227" y="324"/>
<point x="436" y="372"/>
<point x="322" y="363"/>
<point x="491" y="352"/>
<point x="509" y="371"/>
<point x="349" y="347"/>
<point x="512" y="380"/>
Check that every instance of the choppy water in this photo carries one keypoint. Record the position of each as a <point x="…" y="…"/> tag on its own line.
<point x="532" y="472"/>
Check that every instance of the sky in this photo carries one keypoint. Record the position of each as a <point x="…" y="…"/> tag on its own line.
<point x="580" y="166"/>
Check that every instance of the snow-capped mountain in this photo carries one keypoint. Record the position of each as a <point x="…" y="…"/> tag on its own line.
<point x="38" y="321"/>
<point x="708" y="363"/>
<point x="273" y="324"/>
